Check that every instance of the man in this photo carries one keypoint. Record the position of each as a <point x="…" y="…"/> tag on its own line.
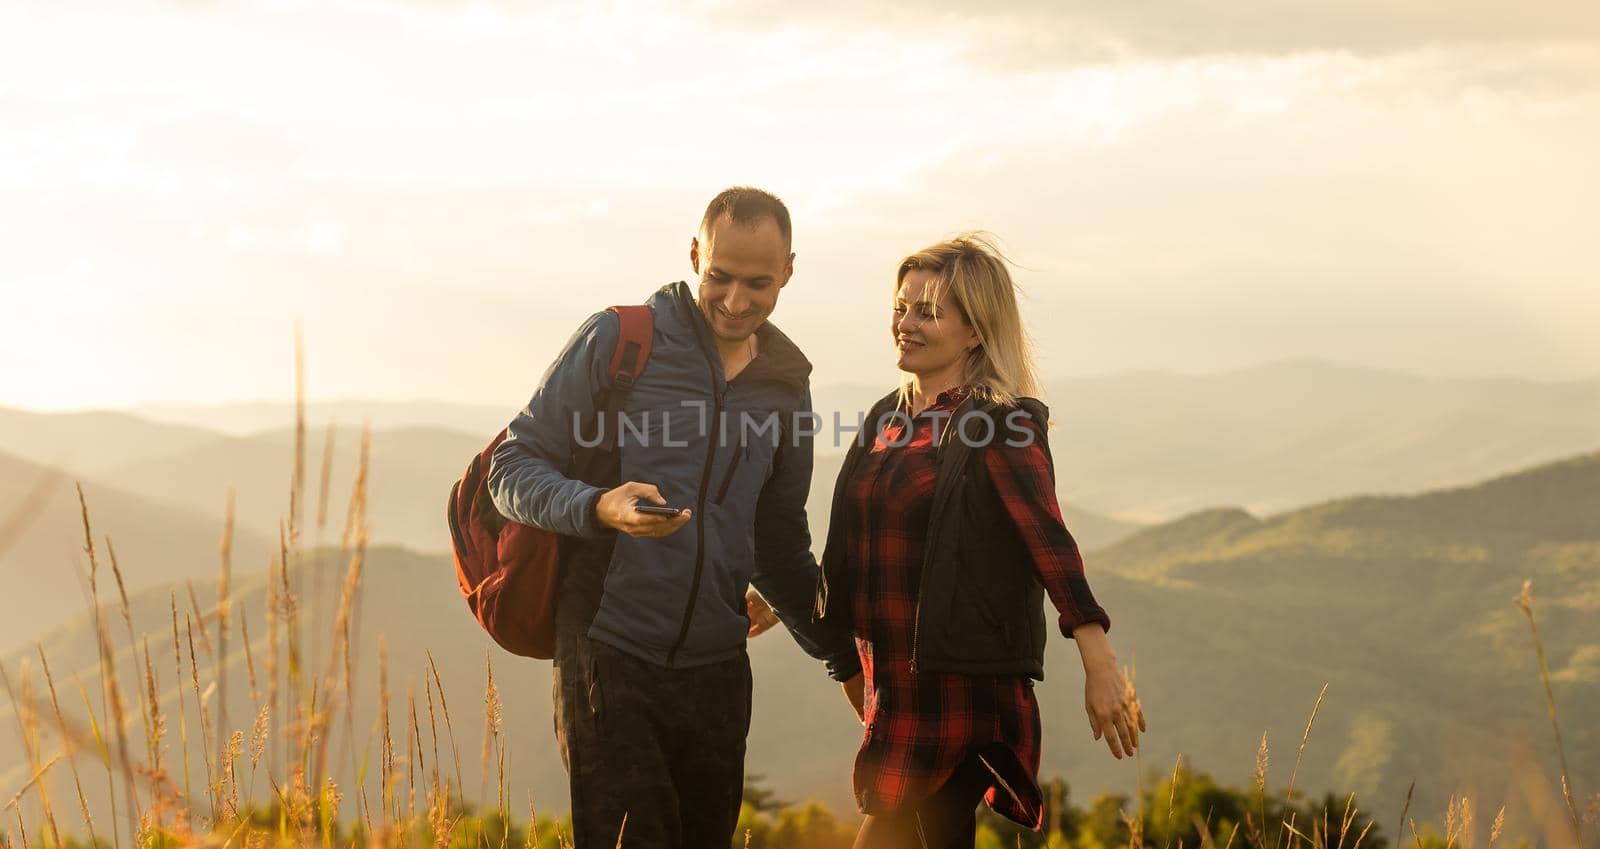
<point x="652" y="683"/>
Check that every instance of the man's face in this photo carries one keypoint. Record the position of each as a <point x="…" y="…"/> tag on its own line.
<point x="741" y="268"/>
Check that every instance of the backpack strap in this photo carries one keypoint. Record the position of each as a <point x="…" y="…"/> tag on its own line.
<point x="628" y="359"/>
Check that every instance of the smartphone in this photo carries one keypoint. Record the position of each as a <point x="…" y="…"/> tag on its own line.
<point x="653" y="510"/>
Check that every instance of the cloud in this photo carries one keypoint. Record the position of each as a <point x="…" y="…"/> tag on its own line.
<point x="1049" y="33"/>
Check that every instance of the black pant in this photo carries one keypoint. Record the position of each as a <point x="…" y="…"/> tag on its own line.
<point x="946" y="820"/>
<point x="665" y="747"/>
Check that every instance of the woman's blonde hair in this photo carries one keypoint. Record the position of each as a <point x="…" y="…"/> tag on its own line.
<point x="974" y="272"/>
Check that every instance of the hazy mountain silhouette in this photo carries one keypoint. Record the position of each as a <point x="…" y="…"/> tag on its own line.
<point x="1153" y="445"/>
<point x="409" y="478"/>
<point x="411" y="473"/>
<point x="43" y="566"/>
<point x="89" y="442"/>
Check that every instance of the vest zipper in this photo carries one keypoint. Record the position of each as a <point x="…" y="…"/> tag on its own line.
<point x="935" y="518"/>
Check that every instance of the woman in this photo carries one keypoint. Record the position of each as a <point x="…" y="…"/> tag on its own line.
<point x="945" y="536"/>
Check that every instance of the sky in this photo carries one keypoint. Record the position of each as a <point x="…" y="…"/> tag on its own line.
<point x="439" y="192"/>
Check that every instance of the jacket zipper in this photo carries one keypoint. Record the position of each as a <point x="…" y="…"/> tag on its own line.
<point x="727" y="477"/>
<point x="700" y="517"/>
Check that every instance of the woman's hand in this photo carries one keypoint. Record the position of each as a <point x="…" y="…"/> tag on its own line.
<point x="761" y="616"/>
<point x="854" y="691"/>
<point x="1113" y="708"/>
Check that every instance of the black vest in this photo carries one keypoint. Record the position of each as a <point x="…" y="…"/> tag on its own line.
<point x="980" y="606"/>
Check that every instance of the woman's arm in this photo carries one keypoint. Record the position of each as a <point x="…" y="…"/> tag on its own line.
<point x="1022" y="477"/>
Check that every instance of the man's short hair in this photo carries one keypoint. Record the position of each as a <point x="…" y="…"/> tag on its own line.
<point x="747" y="206"/>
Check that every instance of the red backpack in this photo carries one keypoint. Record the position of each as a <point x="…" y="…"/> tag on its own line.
<point x="509" y="571"/>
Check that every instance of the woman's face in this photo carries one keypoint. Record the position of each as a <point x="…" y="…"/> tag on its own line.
<point x="930" y="336"/>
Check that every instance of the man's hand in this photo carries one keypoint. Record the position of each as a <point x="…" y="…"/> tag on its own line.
<point x="853" y="690"/>
<point x="615" y="510"/>
<point x="761" y="616"/>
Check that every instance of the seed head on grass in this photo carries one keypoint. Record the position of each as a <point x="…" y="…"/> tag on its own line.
<point x="1524" y="601"/>
<point x="444" y="705"/>
<point x="492" y="715"/>
<point x="61" y="728"/>
<point x="205" y="726"/>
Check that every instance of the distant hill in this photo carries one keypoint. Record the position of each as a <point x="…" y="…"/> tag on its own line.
<point x="249" y="417"/>
<point x="43" y="566"/>
<point x="410" y="476"/>
<point x="1158" y="445"/>
<point x="412" y="470"/>
<point x="1402" y="605"/>
<point x="88" y="442"/>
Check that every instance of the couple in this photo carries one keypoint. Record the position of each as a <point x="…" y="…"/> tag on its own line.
<point x="944" y="538"/>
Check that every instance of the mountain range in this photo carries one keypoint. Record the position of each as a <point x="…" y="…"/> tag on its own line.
<point x="1232" y="621"/>
<point x="1149" y="446"/>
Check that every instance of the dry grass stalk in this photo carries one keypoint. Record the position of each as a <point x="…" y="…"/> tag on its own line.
<point x="413" y="748"/>
<point x="492" y="716"/>
<point x="449" y="726"/>
<point x="158" y="722"/>
<point x="126" y="611"/>
<point x="340" y="648"/>
<point x="22" y="830"/>
<point x="33" y="780"/>
<point x="61" y="728"/>
<point x="433" y="726"/>
<point x="297" y="477"/>
<point x="249" y="657"/>
<point x="1255" y="827"/>
<point x="1288" y="796"/>
<point x="1495" y="827"/>
<point x="1346" y="820"/>
<point x="1406" y="808"/>
<point x="272" y="645"/>
<point x="1231" y="835"/>
<point x="229" y="780"/>
<point x="183" y="713"/>
<point x="198" y="616"/>
<point x="205" y="722"/>
<point x="386" y="744"/>
<point x="327" y="478"/>
<point x="621" y="829"/>
<point x="224" y="602"/>
<point x="532" y="840"/>
<point x="105" y="754"/>
<point x="1524" y="600"/>
<point x="349" y="627"/>
<point x="28" y="729"/>
<point x="1135" y="826"/>
<point x="355" y="518"/>
<point x="1130" y="697"/>
<point x="1172" y="790"/>
<point x="291" y="621"/>
<point x="110" y="691"/>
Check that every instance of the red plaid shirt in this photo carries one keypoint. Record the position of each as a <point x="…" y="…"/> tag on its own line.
<point x="922" y="725"/>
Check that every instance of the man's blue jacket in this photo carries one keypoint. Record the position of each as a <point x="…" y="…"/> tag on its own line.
<point x="738" y="452"/>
